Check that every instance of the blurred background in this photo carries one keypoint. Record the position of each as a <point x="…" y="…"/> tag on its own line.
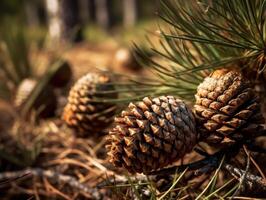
<point x="74" y="20"/>
<point x="83" y="26"/>
<point x="80" y="20"/>
<point x="84" y="35"/>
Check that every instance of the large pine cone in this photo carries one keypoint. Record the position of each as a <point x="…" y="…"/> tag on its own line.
<point x="45" y="104"/>
<point x="227" y="109"/>
<point x="82" y="112"/>
<point x="152" y="134"/>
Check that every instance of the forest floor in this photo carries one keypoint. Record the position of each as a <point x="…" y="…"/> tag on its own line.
<point x="63" y="166"/>
<point x="54" y="164"/>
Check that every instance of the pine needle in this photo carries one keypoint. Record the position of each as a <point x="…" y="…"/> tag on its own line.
<point x="212" y="179"/>
<point x="173" y="185"/>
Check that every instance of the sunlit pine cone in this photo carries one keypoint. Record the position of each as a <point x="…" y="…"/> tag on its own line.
<point x="45" y="104"/>
<point x="152" y="134"/>
<point x="227" y="109"/>
<point x="82" y="113"/>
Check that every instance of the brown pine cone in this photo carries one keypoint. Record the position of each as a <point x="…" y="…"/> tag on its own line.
<point x="152" y="134"/>
<point x="45" y="104"/>
<point x="82" y="112"/>
<point x="227" y="109"/>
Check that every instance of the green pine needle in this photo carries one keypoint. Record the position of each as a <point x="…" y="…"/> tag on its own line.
<point x="212" y="179"/>
<point x="179" y="177"/>
<point x="200" y="36"/>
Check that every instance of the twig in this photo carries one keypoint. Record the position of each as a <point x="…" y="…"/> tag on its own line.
<point x="243" y="176"/>
<point x="252" y="181"/>
<point x="203" y="165"/>
<point x="9" y="180"/>
<point x="210" y="161"/>
<point x="258" y="149"/>
<point x="114" y="180"/>
<point x="257" y="167"/>
<point x="38" y="172"/>
<point x="246" y="198"/>
<point x="255" y="148"/>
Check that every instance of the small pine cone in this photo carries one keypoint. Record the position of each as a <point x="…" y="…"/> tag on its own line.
<point x="82" y="112"/>
<point x="46" y="102"/>
<point x="125" y="59"/>
<point x="152" y="134"/>
<point x="227" y="109"/>
<point x="23" y="92"/>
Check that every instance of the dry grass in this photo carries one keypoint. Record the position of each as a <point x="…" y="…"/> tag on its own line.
<point x="51" y="163"/>
<point x="61" y="153"/>
<point x="63" y="166"/>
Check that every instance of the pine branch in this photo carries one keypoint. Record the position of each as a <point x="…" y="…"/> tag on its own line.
<point x="202" y="36"/>
<point x="199" y="36"/>
<point x="252" y="182"/>
<point x="207" y="164"/>
<point x="210" y="162"/>
<point x="55" y="176"/>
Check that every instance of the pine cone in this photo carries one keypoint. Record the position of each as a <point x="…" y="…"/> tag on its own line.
<point x="227" y="109"/>
<point x="81" y="112"/>
<point x="152" y="134"/>
<point x="23" y="92"/>
<point x="45" y="104"/>
<point x="124" y="59"/>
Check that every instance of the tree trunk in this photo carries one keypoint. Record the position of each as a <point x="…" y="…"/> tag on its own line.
<point x="103" y="15"/>
<point x="84" y="6"/>
<point x="54" y="20"/>
<point x="31" y="11"/>
<point x="92" y="12"/>
<point x="130" y="12"/>
<point x="63" y="20"/>
<point x="70" y="18"/>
